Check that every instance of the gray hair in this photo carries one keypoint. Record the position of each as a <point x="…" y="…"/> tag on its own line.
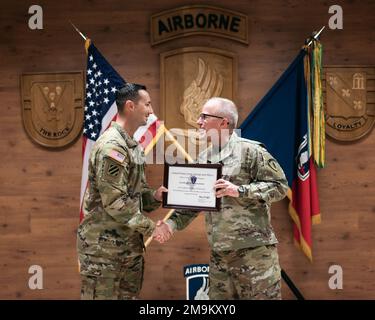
<point x="225" y="108"/>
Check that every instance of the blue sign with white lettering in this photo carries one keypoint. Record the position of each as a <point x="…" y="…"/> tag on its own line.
<point x="197" y="281"/>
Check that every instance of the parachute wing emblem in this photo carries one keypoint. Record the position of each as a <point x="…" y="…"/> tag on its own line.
<point x="207" y="84"/>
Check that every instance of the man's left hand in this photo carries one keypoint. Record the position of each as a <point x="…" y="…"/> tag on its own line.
<point x="225" y="188"/>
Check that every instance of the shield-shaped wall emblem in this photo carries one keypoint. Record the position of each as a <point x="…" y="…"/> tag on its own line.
<point x="189" y="77"/>
<point x="349" y="101"/>
<point x="52" y="107"/>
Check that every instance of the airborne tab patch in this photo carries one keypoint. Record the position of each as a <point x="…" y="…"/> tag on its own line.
<point x="115" y="155"/>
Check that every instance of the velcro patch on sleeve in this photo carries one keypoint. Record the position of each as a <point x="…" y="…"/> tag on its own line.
<point x="112" y="170"/>
<point x="273" y="164"/>
<point x="117" y="156"/>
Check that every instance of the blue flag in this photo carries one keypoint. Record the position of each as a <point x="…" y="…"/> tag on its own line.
<point x="281" y="122"/>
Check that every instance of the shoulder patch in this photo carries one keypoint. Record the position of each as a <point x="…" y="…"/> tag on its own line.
<point x="273" y="164"/>
<point x="112" y="170"/>
<point x="117" y="156"/>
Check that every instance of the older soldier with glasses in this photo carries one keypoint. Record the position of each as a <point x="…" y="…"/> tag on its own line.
<point x="244" y="259"/>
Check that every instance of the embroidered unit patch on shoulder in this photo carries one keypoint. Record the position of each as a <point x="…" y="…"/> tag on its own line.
<point x="272" y="163"/>
<point x="112" y="170"/>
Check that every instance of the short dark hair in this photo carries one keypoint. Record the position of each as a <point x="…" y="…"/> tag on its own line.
<point x="130" y="91"/>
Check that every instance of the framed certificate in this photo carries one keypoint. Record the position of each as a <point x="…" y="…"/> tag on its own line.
<point x="191" y="186"/>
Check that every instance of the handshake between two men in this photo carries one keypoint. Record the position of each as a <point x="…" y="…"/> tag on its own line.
<point x="163" y="231"/>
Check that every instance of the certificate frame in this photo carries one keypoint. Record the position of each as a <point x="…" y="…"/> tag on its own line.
<point x="202" y="168"/>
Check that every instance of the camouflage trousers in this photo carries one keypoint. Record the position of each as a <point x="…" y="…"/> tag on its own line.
<point x="250" y="273"/>
<point x="103" y="279"/>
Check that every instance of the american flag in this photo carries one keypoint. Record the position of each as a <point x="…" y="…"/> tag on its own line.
<point x="102" y="82"/>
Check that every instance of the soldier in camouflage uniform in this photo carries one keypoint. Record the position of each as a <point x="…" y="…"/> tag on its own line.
<point x="110" y="237"/>
<point x="244" y="260"/>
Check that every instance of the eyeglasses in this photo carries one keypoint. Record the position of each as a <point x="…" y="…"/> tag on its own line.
<point x="204" y="116"/>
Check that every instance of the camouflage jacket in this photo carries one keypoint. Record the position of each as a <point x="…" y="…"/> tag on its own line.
<point x="113" y="224"/>
<point x="242" y="222"/>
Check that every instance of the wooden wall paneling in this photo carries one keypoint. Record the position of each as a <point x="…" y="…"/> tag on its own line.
<point x="39" y="188"/>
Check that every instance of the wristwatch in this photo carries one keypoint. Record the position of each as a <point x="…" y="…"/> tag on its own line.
<point x="241" y="191"/>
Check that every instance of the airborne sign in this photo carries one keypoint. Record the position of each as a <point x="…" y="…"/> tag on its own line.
<point x="198" y="20"/>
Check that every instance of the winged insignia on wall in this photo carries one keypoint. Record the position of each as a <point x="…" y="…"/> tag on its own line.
<point x="207" y="84"/>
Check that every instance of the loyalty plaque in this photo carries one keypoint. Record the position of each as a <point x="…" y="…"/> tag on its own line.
<point x="349" y="97"/>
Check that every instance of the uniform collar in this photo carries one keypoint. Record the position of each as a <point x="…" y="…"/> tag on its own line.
<point x="214" y="156"/>
<point x="129" y="140"/>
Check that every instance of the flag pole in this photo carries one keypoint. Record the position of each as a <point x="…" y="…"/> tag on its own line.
<point x="179" y="147"/>
<point x="167" y="133"/>
<point x="316" y="36"/>
<point x="79" y="32"/>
